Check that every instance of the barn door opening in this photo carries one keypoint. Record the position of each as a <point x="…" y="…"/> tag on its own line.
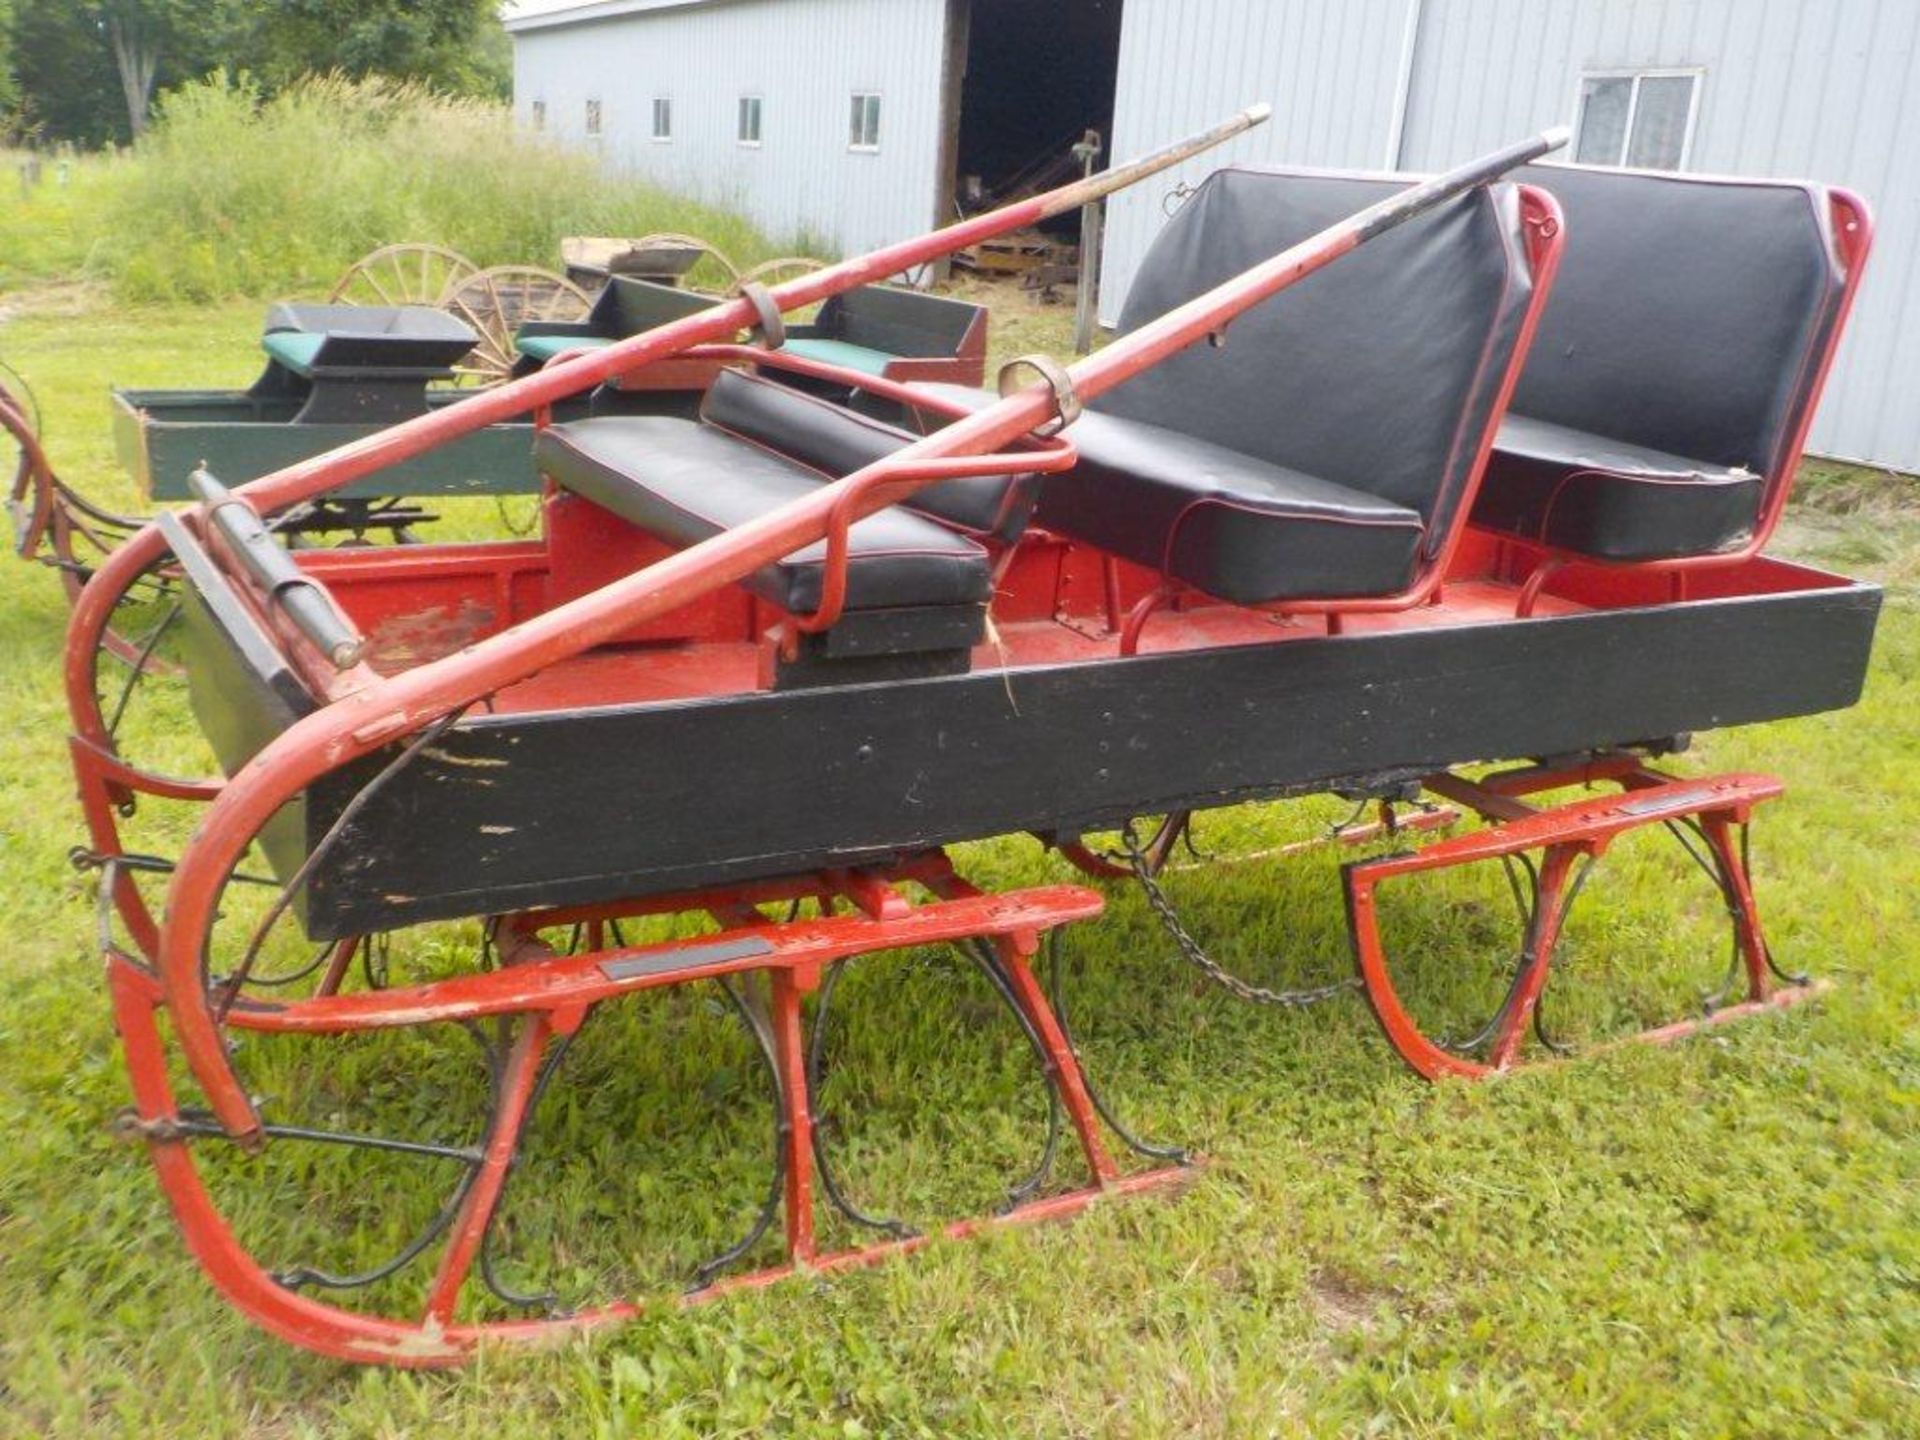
<point x="1038" y="74"/>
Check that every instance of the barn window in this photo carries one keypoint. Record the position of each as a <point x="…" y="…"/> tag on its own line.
<point x="749" y="119"/>
<point x="1640" y="118"/>
<point x="864" y="133"/>
<point x="593" y="117"/>
<point x="539" y="114"/>
<point x="662" y="117"/>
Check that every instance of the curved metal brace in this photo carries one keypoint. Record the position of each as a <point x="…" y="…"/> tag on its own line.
<point x="547" y="1300"/>
<point x="1718" y="862"/>
<point x="1800" y="979"/>
<point x="1536" y="951"/>
<point x="1152" y="1150"/>
<point x="982" y="953"/>
<point x="757" y="1027"/>
<point x="200" y="1125"/>
<point x="816" y="1064"/>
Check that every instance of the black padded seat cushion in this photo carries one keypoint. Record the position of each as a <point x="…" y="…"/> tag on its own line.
<point x="1228" y="523"/>
<point x="686" y="482"/>
<point x="1686" y="327"/>
<point x="837" y="441"/>
<point x="1611" y="499"/>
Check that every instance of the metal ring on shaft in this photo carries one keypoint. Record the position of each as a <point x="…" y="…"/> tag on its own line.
<point x="770" y="329"/>
<point x="1066" y="400"/>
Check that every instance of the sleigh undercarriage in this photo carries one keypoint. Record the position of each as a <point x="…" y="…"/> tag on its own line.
<point x="728" y="723"/>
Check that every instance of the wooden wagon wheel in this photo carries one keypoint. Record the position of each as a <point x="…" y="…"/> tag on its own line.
<point x="712" y="258"/>
<point x="772" y="272"/>
<point x="410" y="274"/>
<point x="498" y="301"/>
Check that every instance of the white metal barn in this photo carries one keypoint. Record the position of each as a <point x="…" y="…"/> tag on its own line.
<point x="851" y="122"/>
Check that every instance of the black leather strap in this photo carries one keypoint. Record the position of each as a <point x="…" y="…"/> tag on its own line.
<point x="770" y="330"/>
<point x="1066" y="401"/>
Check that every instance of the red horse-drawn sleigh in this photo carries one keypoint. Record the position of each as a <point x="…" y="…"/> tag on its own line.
<point x="1379" y="480"/>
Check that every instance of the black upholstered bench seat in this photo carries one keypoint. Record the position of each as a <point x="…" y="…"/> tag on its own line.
<point x="1227" y="523"/>
<point x="1612" y="499"/>
<point x="686" y="482"/>
<point x="1661" y="410"/>
<point x="1321" y="450"/>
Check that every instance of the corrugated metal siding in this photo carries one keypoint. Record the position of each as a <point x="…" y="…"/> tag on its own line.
<point x="1329" y="68"/>
<point x="1814" y="89"/>
<point x="804" y="58"/>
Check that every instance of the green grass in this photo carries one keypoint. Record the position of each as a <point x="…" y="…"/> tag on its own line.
<point x="1721" y="1238"/>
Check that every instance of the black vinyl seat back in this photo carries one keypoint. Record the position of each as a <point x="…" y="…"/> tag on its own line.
<point x="629" y="306"/>
<point x="1690" y="315"/>
<point x="837" y="441"/>
<point x="1381" y="372"/>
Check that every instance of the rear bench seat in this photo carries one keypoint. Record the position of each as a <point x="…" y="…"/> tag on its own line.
<point x="758" y="445"/>
<point x="1674" y="366"/>
<point x="624" y="308"/>
<point x="895" y="333"/>
<point x="1323" y="452"/>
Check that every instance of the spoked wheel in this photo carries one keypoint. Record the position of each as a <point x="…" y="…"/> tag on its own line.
<point x="402" y="275"/>
<point x="712" y="272"/>
<point x="496" y="302"/>
<point x="772" y="272"/>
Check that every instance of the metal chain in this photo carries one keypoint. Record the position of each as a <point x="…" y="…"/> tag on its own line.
<point x="1196" y="956"/>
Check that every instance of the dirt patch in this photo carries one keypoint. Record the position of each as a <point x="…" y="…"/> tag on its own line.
<point x="60" y="297"/>
<point x="1341" y="1306"/>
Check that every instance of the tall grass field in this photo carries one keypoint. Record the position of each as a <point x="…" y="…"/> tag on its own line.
<point x="232" y="194"/>
<point x="1716" y="1239"/>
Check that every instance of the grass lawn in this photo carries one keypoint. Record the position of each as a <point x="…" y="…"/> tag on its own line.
<point x="1720" y="1238"/>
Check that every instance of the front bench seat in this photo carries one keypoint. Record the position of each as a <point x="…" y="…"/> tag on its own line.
<point x="1674" y="367"/>
<point x="1324" y="450"/>
<point x="1219" y="520"/>
<point x="758" y="446"/>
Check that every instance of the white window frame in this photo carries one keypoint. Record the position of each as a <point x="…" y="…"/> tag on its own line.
<point x="758" y="103"/>
<point x="662" y="109"/>
<point x="861" y="147"/>
<point x="595" y="120"/>
<point x="1695" y="73"/>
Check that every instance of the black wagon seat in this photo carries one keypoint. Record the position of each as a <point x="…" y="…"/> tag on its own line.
<point x="1323" y="451"/>
<point x="1675" y="365"/>
<point x="758" y="445"/>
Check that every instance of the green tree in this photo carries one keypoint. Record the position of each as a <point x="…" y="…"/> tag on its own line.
<point x="88" y="70"/>
<point x="453" y="45"/>
<point x="67" y="86"/>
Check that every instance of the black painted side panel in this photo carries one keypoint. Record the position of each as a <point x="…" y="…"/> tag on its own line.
<point x="242" y="690"/>
<point x="519" y="811"/>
